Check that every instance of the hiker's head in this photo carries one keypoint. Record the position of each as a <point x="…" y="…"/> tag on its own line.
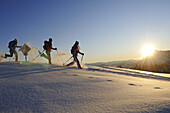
<point x="50" y="39"/>
<point x="77" y="43"/>
<point x="15" y="40"/>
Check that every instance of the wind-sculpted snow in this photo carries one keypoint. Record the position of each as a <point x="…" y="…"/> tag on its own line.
<point x="129" y="72"/>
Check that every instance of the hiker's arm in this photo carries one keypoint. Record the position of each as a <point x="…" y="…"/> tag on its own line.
<point x="19" y="46"/>
<point x="54" y="48"/>
<point x="81" y="53"/>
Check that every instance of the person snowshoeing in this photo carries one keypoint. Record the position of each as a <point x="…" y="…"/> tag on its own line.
<point x="74" y="52"/>
<point x="47" y="47"/>
<point x="12" y="49"/>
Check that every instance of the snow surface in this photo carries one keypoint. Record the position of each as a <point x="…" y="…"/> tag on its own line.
<point x="41" y="88"/>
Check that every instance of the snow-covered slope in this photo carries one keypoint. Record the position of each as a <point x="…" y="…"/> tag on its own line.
<point x="51" y="88"/>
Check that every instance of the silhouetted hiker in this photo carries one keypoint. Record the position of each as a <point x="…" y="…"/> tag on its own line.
<point x="47" y="47"/>
<point x="12" y="46"/>
<point x="74" y="52"/>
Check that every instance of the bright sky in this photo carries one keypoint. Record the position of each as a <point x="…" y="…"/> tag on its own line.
<point x="107" y="30"/>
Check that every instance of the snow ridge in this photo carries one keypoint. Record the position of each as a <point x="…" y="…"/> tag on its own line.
<point x="133" y="73"/>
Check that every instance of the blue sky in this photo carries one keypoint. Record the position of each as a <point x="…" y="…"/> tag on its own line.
<point x="107" y="30"/>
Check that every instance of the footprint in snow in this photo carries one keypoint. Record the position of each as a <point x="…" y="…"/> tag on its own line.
<point x="157" y="88"/>
<point x="75" y="75"/>
<point x="110" y="80"/>
<point x="131" y="84"/>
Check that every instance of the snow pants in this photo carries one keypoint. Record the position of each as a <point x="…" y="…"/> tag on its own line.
<point x="75" y="59"/>
<point x="49" y="57"/>
<point x="11" y="54"/>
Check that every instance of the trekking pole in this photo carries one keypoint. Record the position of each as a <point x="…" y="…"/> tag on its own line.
<point x="82" y="59"/>
<point x="67" y="60"/>
<point x="38" y="55"/>
<point x="60" y="57"/>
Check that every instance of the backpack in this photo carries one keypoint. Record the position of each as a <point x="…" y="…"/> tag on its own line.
<point x="46" y="45"/>
<point x="73" y="50"/>
<point x="11" y="44"/>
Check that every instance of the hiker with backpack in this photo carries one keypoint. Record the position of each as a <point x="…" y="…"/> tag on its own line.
<point x="74" y="52"/>
<point x="47" y="47"/>
<point x="12" y="49"/>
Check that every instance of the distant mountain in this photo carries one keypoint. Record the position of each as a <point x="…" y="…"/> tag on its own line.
<point x="158" y="62"/>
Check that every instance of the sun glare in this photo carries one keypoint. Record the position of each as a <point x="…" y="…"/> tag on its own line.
<point x="147" y="50"/>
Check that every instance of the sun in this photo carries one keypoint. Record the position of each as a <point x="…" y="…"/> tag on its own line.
<point x="148" y="50"/>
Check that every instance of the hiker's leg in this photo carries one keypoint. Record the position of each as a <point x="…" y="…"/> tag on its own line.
<point x="71" y="63"/>
<point x="49" y="57"/>
<point x="11" y="53"/>
<point x="78" y="64"/>
<point x="16" y="56"/>
<point x="45" y="56"/>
